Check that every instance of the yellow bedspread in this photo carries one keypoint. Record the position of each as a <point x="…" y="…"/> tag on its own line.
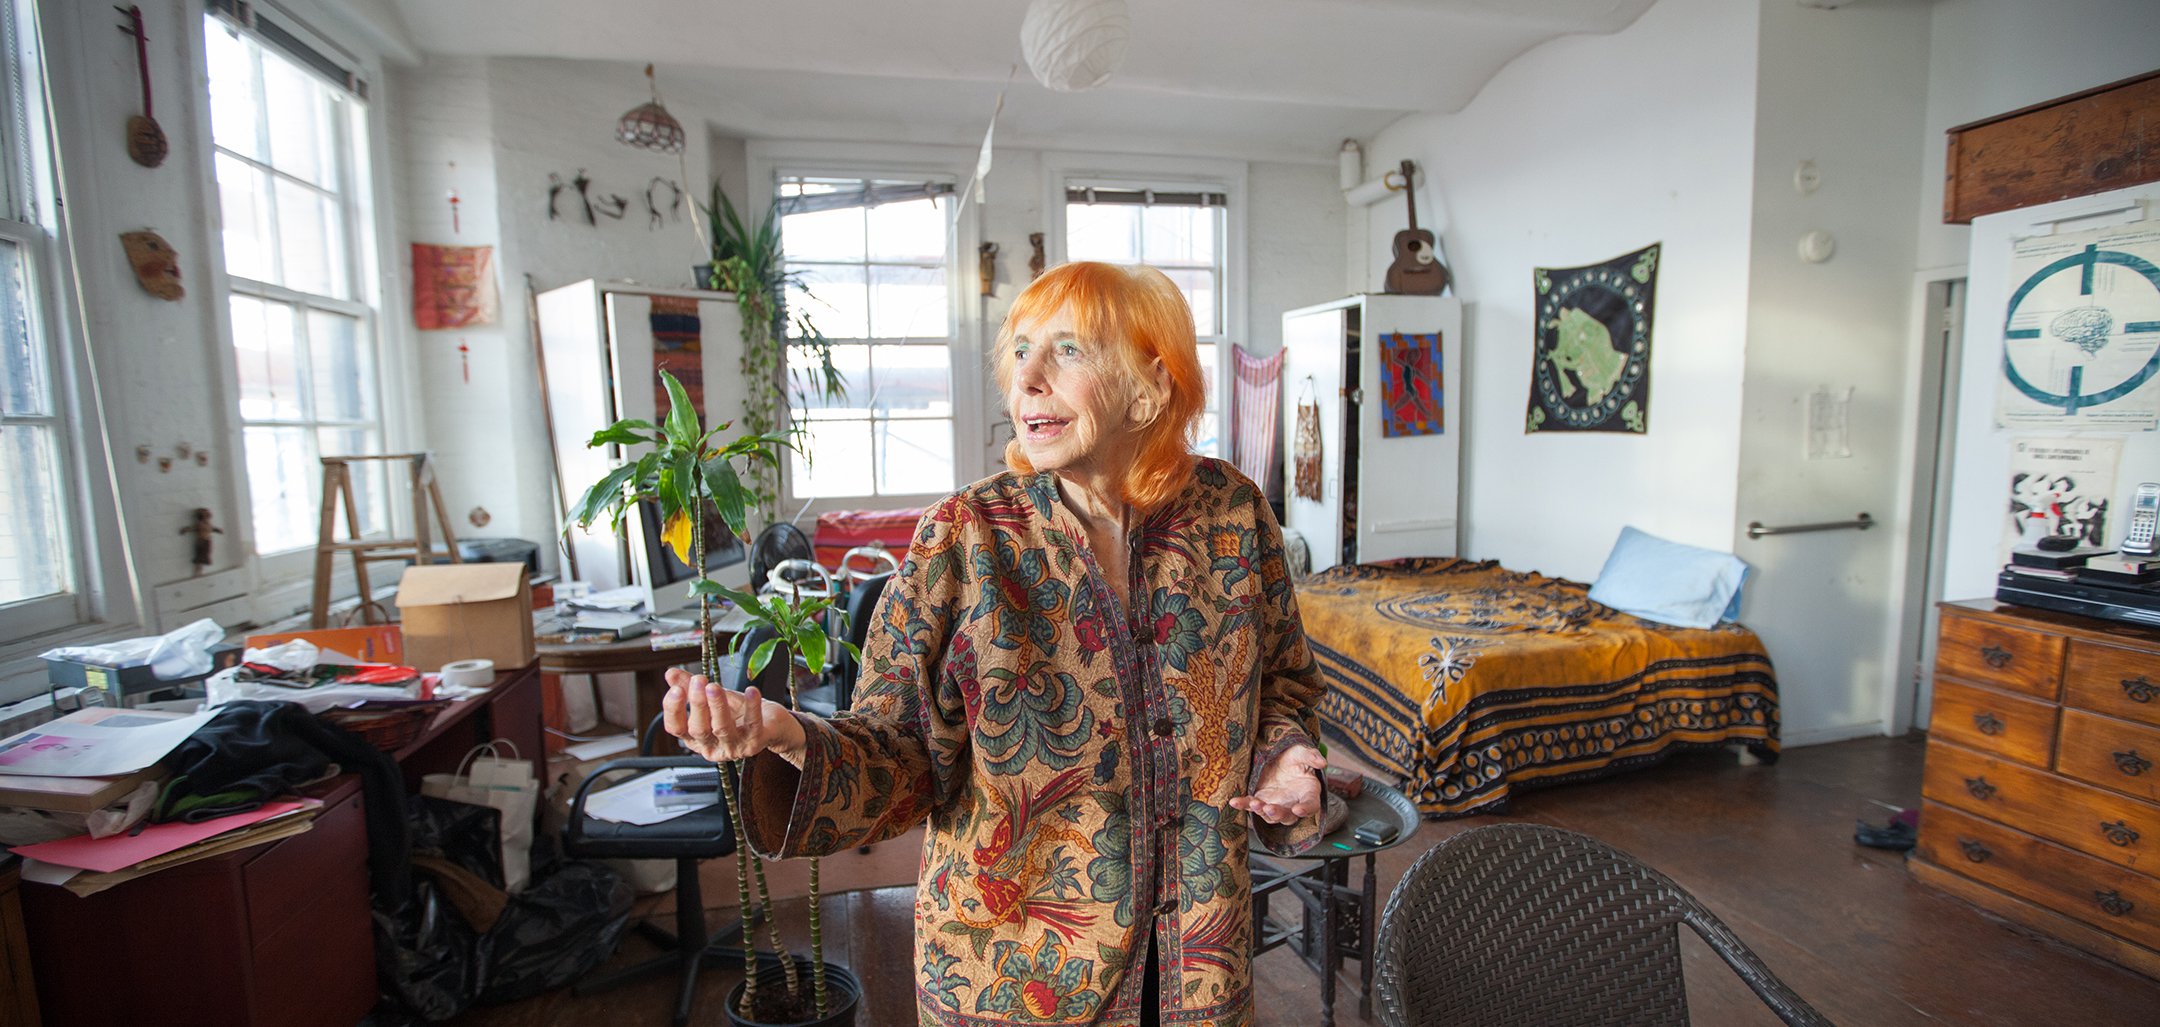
<point x="1470" y="680"/>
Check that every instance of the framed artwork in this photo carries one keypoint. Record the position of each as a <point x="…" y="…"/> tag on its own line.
<point x="454" y="287"/>
<point x="1410" y="385"/>
<point x="1590" y="366"/>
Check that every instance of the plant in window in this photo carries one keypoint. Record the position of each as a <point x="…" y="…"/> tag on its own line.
<point x="690" y="473"/>
<point x="747" y="262"/>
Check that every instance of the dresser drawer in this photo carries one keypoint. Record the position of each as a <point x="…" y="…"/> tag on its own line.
<point x="2112" y="753"/>
<point x="2091" y="820"/>
<point x="2122" y="902"/>
<point x="2108" y="679"/>
<point x="1998" y="655"/>
<point x="1994" y="722"/>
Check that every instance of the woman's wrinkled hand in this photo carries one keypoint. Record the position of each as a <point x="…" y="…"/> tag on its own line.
<point x="1289" y="789"/>
<point x="723" y="726"/>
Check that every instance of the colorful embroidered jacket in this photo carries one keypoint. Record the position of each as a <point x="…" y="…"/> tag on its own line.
<point x="1076" y="765"/>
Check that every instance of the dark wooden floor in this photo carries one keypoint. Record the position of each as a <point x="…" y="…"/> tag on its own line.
<point x="1768" y="848"/>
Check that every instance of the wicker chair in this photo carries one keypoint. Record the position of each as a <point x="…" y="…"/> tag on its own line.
<point x="1521" y="924"/>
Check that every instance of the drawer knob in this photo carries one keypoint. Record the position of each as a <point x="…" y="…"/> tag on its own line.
<point x="1988" y="723"/>
<point x="1980" y="788"/>
<point x="2113" y="904"/>
<point x="2139" y="689"/>
<point x="2119" y="833"/>
<point x="1974" y="851"/>
<point x="1995" y="656"/>
<point x="2132" y="764"/>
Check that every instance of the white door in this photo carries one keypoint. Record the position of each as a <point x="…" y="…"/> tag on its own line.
<point x="1408" y="485"/>
<point x="1312" y="372"/>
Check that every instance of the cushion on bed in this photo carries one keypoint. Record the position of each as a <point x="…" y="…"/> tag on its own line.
<point x="1671" y="583"/>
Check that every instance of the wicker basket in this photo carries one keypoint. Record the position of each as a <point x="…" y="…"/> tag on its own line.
<point x="387" y="726"/>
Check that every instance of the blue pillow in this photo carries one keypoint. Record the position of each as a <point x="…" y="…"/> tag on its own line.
<point x="1655" y="579"/>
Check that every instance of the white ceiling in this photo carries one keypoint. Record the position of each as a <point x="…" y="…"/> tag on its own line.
<point x="1287" y="79"/>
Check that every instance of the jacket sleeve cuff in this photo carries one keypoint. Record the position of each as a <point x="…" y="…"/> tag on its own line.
<point x="1279" y="736"/>
<point x="781" y="802"/>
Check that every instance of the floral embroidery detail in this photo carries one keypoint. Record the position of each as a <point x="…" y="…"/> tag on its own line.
<point x="1232" y="554"/>
<point x="1180" y="630"/>
<point x="1043" y="984"/>
<point x="1036" y="715"/>
<point x="1022" y="600"/>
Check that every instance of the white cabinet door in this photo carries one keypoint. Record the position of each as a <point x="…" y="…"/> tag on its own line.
<point x="1313" y="371"/>
<point x="1408" y="485"/>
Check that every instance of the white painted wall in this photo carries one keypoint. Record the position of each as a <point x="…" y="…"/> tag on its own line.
<point x="1845" y="90"/>
<point x="1582" y="149"/>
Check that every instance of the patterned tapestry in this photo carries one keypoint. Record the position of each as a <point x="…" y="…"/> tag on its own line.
<point x="454" y="287"/>
<point x="678" y="348"/>
<point x="1590" y="368"/>
<point x="1256" y="415"/>
<point x="1410" y="381"/>
<point x="1305" y="448"/>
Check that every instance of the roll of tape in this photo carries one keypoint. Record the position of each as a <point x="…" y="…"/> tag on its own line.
<point x="469" y="673"/>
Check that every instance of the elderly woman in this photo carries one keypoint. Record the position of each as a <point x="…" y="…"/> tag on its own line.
<point x="1088" y="673"/>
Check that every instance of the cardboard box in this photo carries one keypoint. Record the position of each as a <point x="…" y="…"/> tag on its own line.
<point x="375" y="643"/>
<point x="466" y="611"/>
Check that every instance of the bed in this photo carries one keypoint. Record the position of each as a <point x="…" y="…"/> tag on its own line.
<point x="1468" y="680"/>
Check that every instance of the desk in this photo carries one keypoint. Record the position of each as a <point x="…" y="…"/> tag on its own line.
<point x="636" y="656"/>
<point x="1340" y="920"/>
<point x="276" y="934"/>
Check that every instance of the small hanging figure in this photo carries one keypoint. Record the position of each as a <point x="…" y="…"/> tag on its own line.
<point x="464" y="355"/>
<point x="455" y="228"/>
<point x="202" y="529"/>
<point x="652" y="203"/>
<point x="1035" y="263"/>
<point x="614" y="205"/>
<point x="555" y="187"/>
<point x="986" y="267"/>
<point x="584" y="185"/>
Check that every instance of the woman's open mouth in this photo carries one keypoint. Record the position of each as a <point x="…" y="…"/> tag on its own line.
<point x="1041" y="429"/>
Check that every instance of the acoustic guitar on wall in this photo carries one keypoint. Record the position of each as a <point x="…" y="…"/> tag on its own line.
<point x="1417" y="270"/>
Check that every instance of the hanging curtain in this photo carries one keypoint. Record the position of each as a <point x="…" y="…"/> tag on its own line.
<point x="1256" y="414"/>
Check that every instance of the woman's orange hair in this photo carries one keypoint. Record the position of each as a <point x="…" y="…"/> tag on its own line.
<point x="1139" y="315"/>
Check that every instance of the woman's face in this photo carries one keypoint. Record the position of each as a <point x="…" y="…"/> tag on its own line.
<point x="1069" y="401"/>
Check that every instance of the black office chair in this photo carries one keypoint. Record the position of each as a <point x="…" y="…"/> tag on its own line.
<point x="688" y="840"/>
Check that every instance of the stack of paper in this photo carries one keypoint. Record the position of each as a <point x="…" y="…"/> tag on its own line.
<point x="86" y="865"/>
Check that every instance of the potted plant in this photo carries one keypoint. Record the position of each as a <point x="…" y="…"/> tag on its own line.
<point x="690" y="472"/>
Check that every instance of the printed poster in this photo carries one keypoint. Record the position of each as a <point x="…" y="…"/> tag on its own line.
<point x="2060" y="486"/>
<point x="2081" y="337"/>
<point x="1590" y="365"/>
<point x="1410" y="385"/>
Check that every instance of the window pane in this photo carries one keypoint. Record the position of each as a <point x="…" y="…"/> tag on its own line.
<point x="853" y="363"/>
<point x="311" y="241"/>
<point x="33" y="550"/>
<point x="909" y="303"/>
<point x="283" y="480"/>
<point x="911" y="230"/>
<point x="232" y="89"/>
<point x="298" y="107"/>
<point x="1206" y="352"/>
<point x="370" y="477"/>
<point x="834" y="298"/>
<point x="266" y="349"/>
<point x="913" y="381"/>
<point x="838" y="461"/>
<point x="1180" y="235"/>
<point x="1207" y="434"/>
<point x="1198" y="285"/>
<point x="1105" y="232"/>
<point x="244" y="206"/>
<point x="822" y="234"/>
<point x="915" y="456"/>
<point x="343" y="367"/>
<point x="22" y="371"/>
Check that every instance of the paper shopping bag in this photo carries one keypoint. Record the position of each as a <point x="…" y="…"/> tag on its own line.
<point x="488" y="777"/>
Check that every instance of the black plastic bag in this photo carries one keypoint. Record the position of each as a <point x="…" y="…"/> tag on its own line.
<point x="559" y="927"/>
<point x="460" y="832"/>
<point x="428" y="961"/>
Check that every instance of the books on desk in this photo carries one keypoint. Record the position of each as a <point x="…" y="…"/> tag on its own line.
<point x="86" y="865"/>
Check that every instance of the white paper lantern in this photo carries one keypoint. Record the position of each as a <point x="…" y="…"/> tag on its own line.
<point x="1073" y="45"/>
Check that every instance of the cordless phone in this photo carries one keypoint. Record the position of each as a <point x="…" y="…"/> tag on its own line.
<point x="2144" y="517"/>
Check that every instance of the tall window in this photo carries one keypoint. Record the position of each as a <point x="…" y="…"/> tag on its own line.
<point x="872" y="259"/>
<point x="38" y="573"/>
<point x="1180" y="232"/>
<point x="290" y="173"/>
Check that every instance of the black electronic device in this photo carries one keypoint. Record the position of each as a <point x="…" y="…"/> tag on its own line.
<point x="2058" y="543"/>
<point x="1374" y="832"/>
<point x="2144" y="521"/>
<point x="2133" y="604"/>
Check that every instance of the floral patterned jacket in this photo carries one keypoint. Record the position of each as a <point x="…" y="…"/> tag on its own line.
<point x="1076" y="765"/>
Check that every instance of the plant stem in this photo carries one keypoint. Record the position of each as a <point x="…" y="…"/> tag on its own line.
<point x="709" y="659"/>
<point x="817" y="941"/>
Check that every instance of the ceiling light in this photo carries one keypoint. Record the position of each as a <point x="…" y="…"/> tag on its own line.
<point x="649" y="126"/>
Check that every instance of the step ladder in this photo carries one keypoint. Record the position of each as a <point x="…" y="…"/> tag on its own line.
<point x="337" y="492"/>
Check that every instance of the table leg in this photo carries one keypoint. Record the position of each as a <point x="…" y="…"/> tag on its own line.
<point x="1329" y="958"/>
<point x="1368" y="934"/>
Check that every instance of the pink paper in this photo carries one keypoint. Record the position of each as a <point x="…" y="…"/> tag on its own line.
<point x="120" y="851"/>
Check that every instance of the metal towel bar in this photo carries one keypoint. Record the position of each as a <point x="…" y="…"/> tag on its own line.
<point x="1757" y="529"/>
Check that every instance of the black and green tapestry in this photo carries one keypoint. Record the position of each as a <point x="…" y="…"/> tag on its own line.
<point x="1591" y="367"/>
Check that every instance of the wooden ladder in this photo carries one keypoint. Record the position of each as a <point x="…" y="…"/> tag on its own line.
<point x="337" y="491"/>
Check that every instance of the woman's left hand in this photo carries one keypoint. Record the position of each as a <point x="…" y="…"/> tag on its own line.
<point x="1289" y="788"/>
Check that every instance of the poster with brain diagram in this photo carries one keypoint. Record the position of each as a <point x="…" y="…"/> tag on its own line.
<point x="2081" y="337"/>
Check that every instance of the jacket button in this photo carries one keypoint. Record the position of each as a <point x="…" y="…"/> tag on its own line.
<point x="1163" y="726"/>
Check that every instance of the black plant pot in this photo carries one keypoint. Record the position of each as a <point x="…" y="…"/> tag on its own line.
<point x="842" y="993"/>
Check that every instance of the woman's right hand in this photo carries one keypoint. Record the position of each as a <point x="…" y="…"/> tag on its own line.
<point x="722" y="726"/>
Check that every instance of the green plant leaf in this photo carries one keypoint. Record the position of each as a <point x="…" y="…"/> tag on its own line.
<point x="742" y="600"/>
<point x="605" y="494"/>
<point x="727" y="491"/>
<point x="810" y="640"/>
<point x="682" y="418"/>
<point x="761" y="656"/>
<point x="623" y="433"/>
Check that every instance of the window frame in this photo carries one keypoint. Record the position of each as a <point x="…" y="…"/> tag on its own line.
<point x="768" y="162"/>
<point x="359" y="150"/>
<point x="1062" y="171"/>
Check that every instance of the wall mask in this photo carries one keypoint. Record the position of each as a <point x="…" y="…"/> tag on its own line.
<point x="156" y="266"/>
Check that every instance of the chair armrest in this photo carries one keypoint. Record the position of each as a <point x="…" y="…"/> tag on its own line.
<point x="575" y="829"/>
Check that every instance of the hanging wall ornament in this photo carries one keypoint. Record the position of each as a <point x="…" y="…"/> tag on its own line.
<point x="156" y="266"/>
<point x="555" y="187"/>
<point x="1590" y="370"/>
<point x="649" y="126"/>
<point x="1073" y="45"/>
<point x="146" y="141"/>
<point x="1305" y="448"/>
<point x="584" y="195"/>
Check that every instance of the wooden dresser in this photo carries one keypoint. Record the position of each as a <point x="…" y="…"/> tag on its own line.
<point x="2042" y="789"/>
